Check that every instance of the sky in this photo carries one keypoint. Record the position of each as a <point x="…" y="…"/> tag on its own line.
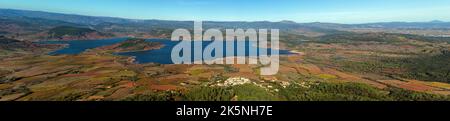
<point x="335" y="11"/>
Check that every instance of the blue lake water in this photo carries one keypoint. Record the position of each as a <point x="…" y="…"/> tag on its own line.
<point x="79" y="46"/>
<point x="162" y="56"/>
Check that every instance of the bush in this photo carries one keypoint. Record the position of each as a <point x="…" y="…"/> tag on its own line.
<point x="155" y="96"/>
<point x="249" y="92"/>
<point x="407" y="95"/>
<point x="356" y="89"/>
<point x="333" y="92"/>
<point x="208" y="94"/>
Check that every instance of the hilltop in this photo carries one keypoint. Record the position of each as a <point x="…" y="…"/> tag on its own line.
<point x="11" y="47"/>
<point x="75" y="33"/>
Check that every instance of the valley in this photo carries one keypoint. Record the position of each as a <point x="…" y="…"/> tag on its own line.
<point x="325" y="64"/>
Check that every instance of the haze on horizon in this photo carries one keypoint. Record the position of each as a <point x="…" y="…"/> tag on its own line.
<point x="334" y="11"/>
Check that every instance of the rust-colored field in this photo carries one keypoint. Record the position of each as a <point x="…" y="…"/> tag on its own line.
<point x="415" y="85"/>
<point x="164" y="87"/>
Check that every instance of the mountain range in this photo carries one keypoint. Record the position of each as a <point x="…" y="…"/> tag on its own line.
<point x="36" y="25"/>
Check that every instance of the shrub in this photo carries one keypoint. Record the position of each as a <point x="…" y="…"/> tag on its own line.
<point x="250" y="92"/>
<point x="208" y="94"/>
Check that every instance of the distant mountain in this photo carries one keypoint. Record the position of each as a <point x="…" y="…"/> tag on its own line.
<point x="436" y="24"/>
<point x="32" y="25"/>
<point x="408" y="25"/>
<point x="437" y="21"/>
<point x="288" y="21"/>
<point x="21" y="24"/>
<point x="285" y="24"/>
<point x="104" y="22"/>
<point x="72" y="18"/>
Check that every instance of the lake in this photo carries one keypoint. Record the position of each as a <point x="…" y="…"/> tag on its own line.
<point x="79" y="46"/>
<point x="161" y="56"/>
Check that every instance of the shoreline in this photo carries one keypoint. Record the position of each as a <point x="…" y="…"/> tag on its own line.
<point x="297" y="52"/>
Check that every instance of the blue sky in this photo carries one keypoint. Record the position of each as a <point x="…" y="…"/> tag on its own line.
<point x="338" y="11"/>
